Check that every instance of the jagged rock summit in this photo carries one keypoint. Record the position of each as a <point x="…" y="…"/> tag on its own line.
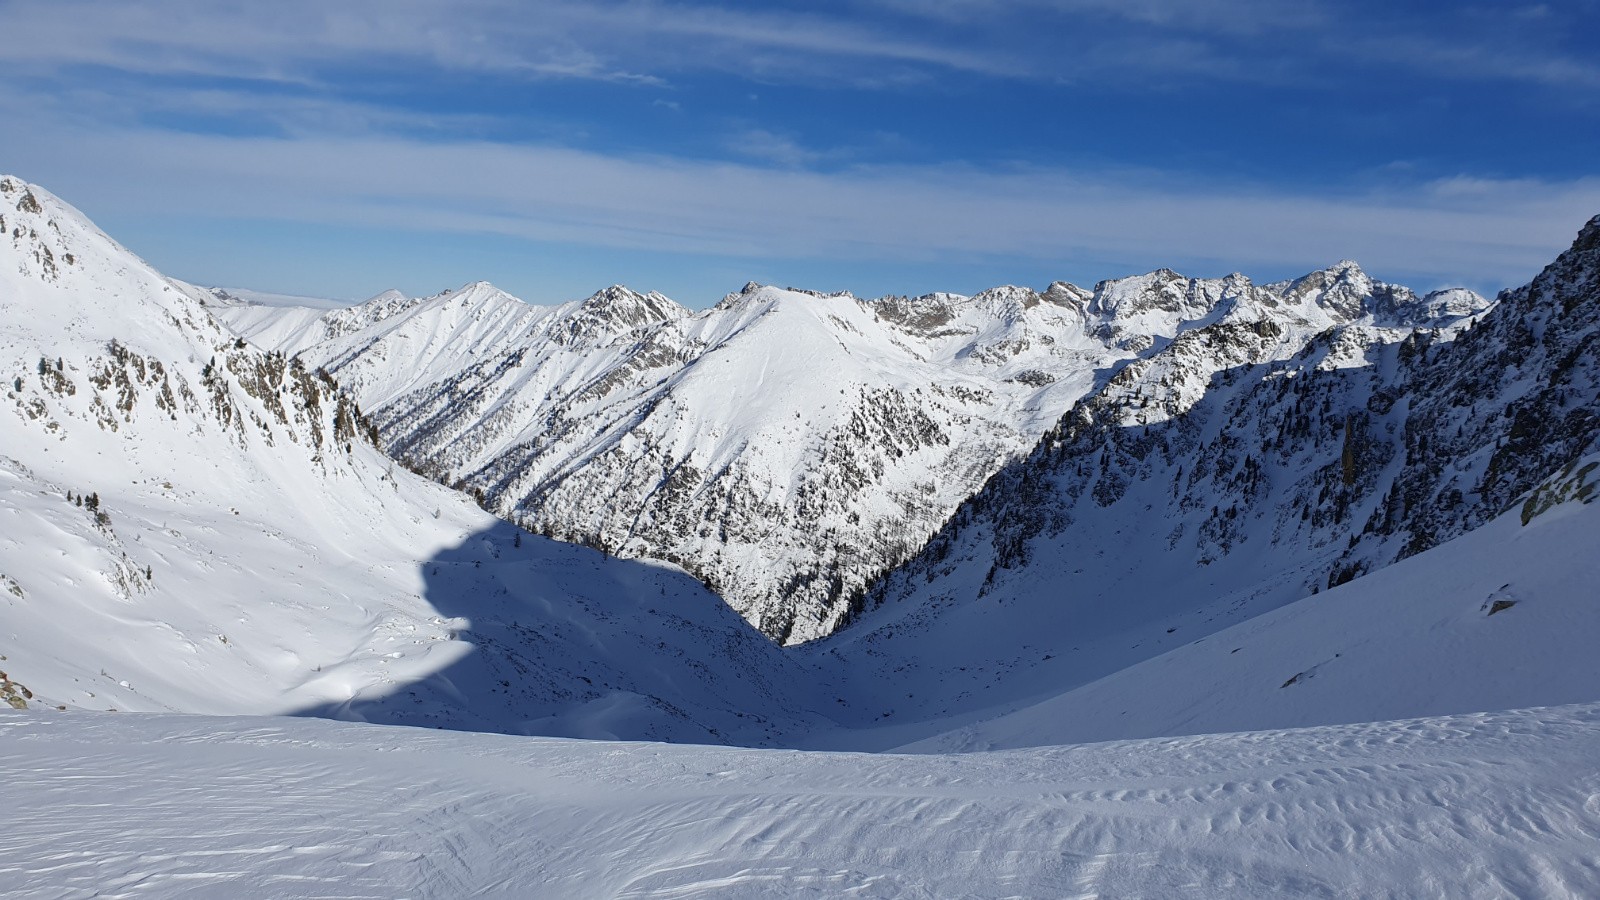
<point x="1222" y="477"/>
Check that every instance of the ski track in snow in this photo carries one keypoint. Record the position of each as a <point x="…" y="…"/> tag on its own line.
<point x="1485" y="805"/>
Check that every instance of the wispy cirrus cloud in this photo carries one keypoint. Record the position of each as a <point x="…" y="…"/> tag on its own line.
<point x="1247" y="134"/>
<point x="296" y="40"/>
<point x="893" y="43"/>
<point x="1483" y="232"/>
<point x="1249" y="17"/>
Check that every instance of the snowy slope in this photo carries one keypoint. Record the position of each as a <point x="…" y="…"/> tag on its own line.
<point x="1490" y="805"/>
<point x="195" y="524"/>
<point x="199" y="525"/>
<point x="290" y="328"/>
<point x="1184" y="497"/>
<point x="1499" y="618"/>
<point x="785" y="447"/>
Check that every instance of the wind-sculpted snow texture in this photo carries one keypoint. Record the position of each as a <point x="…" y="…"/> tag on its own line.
<point x="194" y="524"/>
<point x="1491" y="805"/>
<point x="785" y="447"/>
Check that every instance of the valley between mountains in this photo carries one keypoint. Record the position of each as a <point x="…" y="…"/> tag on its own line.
<point x="1013" y="518"/>
<point x="1149" y="513"/>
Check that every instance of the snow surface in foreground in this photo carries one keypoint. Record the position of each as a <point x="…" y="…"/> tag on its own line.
<point x="129" y="805"/>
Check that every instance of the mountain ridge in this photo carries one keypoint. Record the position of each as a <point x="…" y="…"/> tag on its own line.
<point x="196" y="524"/>
<point x="959" y="383"/>
<point x="250" y="536"/>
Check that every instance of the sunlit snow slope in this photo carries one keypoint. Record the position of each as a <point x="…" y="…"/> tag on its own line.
<point x="1492" y="805"/>
<point x="194" y="524"/>
<point x="1505" y="616"/>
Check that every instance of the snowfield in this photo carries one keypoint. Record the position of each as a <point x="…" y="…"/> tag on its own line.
<point x="203" y="537"/>
<point x="1488" y="805"/>
<point x="190" y="524"/>
<point x="1504" y="616"/>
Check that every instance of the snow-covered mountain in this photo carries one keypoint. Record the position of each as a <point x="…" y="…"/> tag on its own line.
<point x="1318" y="502"/>
<point x="201" y="525"/>
<point x="195" y="524"/>
<point x="1187" y="496"/>
<point x="785" y="447"/>
<point x="1502" y="617"/>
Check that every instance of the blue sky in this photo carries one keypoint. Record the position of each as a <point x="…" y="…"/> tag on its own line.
<point x="338" y="149"/>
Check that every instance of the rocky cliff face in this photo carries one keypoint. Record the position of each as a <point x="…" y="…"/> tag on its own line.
<point x="94" y="336"/>
<point x="1240" y="463"/>
<point x="787" y="447"/>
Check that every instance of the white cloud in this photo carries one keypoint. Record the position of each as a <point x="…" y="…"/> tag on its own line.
<point x="1475" y="231"/>
<point x="1216" y="16"/>
<point x="292" y="40"/>
<point x="884" y="44"/>
<point x="768" y="146"/>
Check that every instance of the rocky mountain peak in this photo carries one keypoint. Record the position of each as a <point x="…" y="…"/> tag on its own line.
<point x="627" y="308"/>
<point x="44" y="241"/>
<point x="1007" y="303"/>
<point x="613" y="312"/>
<point x="750" y="289"/>
<point x="1161" y="291"/>
<point x="1343" y="291"/>
<point x="1065" y="293"/>
<point x="926" y="315"/>
<point x="1576" y="269"/>
<point x="1588" y="238"/>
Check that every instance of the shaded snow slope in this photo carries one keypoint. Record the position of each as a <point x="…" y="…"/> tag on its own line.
<point x="1502" y="617"/>
<point x="785" y="447"/>
<point x="1490" y="805"/>
<point x="194" y="524"/>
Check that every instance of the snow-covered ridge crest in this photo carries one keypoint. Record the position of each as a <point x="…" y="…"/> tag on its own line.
<point x="62" y="271"/>
<point x="787" y="446"/>
<point x="198" y="524"/>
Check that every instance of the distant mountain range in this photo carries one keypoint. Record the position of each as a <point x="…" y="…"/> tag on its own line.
<point x="1165" y="505"/>
<point x="784" y="447"/>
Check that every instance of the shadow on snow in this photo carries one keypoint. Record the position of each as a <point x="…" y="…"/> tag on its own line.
<point x="561" y="640"/>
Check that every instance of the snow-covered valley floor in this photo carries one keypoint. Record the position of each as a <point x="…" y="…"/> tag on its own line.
<point x="191" y="524"/>
<point x="127" y="805"/>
